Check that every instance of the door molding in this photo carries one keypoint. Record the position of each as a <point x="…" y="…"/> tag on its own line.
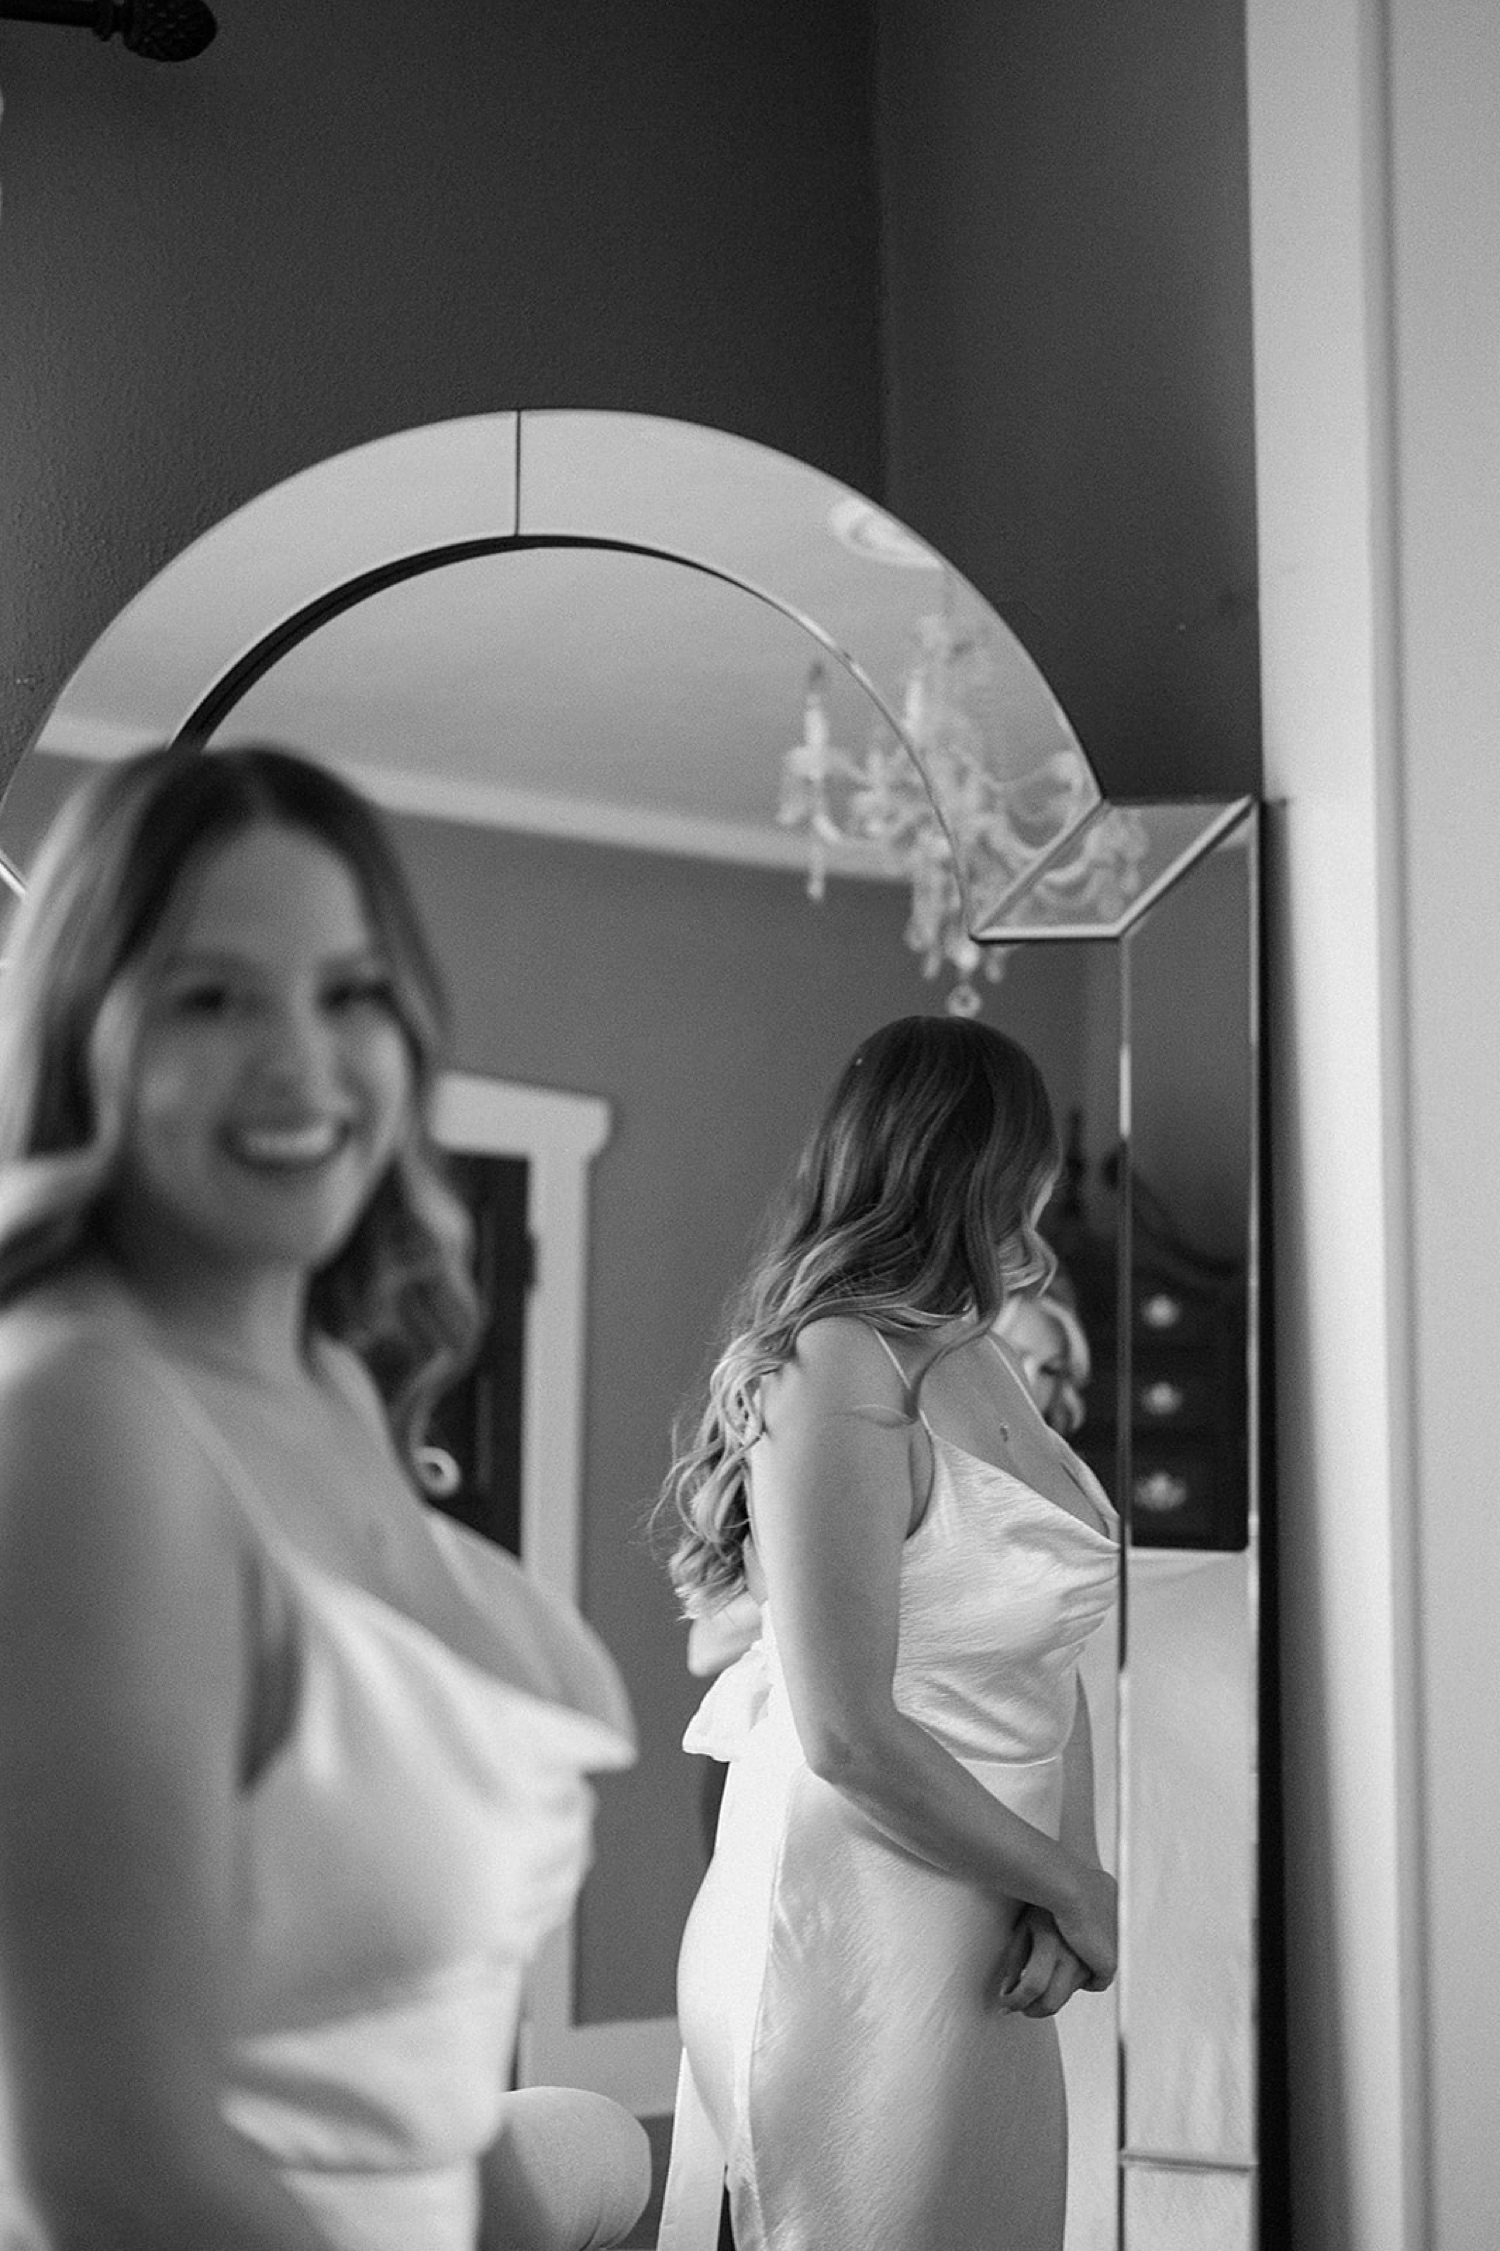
<point x="559" y="1135"/>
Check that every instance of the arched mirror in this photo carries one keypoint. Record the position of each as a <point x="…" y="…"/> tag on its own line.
<point x="661" y="719"/>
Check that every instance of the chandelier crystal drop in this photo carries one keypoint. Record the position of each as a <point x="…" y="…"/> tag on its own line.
<point x="878" y="800"/>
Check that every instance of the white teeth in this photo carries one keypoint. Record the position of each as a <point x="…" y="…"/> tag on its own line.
<point x="288" y="1145"/>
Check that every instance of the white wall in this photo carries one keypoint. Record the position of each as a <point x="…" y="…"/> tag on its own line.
<point x="1376" y="232"/>
<point x="1445" y="172"/>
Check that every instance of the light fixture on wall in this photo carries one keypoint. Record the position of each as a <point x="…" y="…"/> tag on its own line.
<point x="994" y="830"/>
<point x="164" y="31"/>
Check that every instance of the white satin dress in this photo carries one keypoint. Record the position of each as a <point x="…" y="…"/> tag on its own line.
<point x="878" y="2103"/>
<point x="401" y="1857"/>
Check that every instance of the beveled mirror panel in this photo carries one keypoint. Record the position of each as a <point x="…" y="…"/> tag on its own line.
<point x="1190" y="1672"/>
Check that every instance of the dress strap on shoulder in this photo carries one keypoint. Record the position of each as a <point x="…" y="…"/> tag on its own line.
<point x="908" y="1388"/>
<point x="196" y="1419"/>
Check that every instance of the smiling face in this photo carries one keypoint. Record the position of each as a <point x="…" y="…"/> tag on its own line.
<point x="272" y="1080"/>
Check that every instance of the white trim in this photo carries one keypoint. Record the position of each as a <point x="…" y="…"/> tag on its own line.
<point x="474" y="801"/>
<point x="1321" y="242"/>
<point x="642" y="828"/>
<point x="559" y="1135"/>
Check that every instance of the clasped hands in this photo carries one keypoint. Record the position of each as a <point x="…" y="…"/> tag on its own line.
<point x="1038" y="1970"/>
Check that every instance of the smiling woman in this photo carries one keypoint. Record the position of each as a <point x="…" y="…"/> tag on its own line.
<point x="272" y="1078"/>
<point x="336" y="1747"/>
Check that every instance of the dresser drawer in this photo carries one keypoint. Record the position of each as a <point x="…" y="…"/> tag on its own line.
<point x="1165" y="1314"/>
<point x="1169" y="1391"/>
<point x="1185" y="1494"/>
<point x="1175" y="1391"/>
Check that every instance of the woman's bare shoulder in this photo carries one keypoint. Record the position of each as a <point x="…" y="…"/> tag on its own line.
<point x="839" y="1365"/>
<point x="87" y="1431"/>
<point x="57" y="1347"/>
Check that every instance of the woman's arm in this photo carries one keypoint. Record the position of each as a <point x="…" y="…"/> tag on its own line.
<point x="832" y="1503"/>
<point x="1039" y="1972"/>
<point x="124" y="1670"/>
<point x="1078" y="1826"/>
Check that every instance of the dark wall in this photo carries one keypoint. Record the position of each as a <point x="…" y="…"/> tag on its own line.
<point x="356" y="216"/>
<point x="1067" y="325"/>
<point x="347" y="219"/>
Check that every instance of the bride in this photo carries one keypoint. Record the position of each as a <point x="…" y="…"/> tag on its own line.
<point x="905" y="1887"/>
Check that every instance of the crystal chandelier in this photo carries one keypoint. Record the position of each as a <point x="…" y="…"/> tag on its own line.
<point x="838" y="798"/>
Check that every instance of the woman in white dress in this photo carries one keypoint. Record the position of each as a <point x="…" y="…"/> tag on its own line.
<point x="293" y="1771"/>
<point x="905" y="1887"/>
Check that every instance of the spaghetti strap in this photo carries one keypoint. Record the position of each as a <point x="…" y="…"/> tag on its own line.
<point x="201" y="1425"/>
<point x="1009" y="1365"/>
<point x="909" y="1392"/>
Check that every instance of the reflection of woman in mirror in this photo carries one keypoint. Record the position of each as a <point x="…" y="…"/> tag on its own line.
<point x="1046" y="1340"/>
<point x="292" y="1769"/>
<point x="906" y="1887"/>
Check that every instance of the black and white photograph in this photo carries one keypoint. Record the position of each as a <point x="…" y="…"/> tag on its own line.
<point x="747" y="1260"/>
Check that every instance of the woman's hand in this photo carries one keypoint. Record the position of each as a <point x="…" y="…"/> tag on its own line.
<point x="1037" y="1971"/>
<point x="1089" y="1924"/>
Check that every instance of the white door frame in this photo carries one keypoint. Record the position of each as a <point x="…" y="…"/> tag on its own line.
<point x="558" y="1134"/>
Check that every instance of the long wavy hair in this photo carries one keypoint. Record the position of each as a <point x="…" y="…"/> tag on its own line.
<point x="913" y="1206"/>
<point x="112" y="884"/>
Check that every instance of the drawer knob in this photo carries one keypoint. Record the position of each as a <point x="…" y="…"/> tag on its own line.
<point x="1162" y="1398"/>
<point x="1161" y="1492"/>
<point x="1161" y="1310"/>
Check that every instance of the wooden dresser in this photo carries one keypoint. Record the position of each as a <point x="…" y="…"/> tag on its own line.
<point x="1190" y="1482"/>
